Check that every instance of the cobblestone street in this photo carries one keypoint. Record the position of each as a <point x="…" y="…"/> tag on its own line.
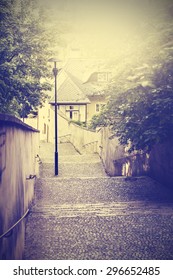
<point x="84" y="214"/>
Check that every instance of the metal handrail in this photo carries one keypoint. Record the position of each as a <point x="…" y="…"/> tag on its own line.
<point x="89" y="143"/>
<point x="64" y="135"/>
<point x="39" y="159"/>
<point x="31" y="177"/>
<point x="65" y="138"/>
<point x="10" y="229"/>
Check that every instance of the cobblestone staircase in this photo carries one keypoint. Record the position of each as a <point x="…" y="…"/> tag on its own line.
<point x="84" y="214"/>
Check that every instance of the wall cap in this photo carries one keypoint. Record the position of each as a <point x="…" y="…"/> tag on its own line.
<point x="13" y="121"/>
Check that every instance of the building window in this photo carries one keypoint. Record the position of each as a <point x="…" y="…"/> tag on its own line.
<point x="97" y="107"/>
<point x="73" y="112"/>
<point x="75" y="116"/>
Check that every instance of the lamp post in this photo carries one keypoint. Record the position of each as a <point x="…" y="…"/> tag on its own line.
<point x="55" y="72"/>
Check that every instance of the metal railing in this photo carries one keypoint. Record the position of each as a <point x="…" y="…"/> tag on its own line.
<point x="66" y="137"/>
<point x="88" y="144"/>
<point x="11" y="228"/>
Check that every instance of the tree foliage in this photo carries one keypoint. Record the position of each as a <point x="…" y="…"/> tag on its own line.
<point x="140" y="109"/>
<point x="24" y="52"/>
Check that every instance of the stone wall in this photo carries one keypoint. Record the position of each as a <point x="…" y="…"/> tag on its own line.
<point x="19" y="144"/>
<point x="117" y="162"/>
<point x="110" y="150"/>
<point x="157" y="164"/>
<point x="84" y="140"/>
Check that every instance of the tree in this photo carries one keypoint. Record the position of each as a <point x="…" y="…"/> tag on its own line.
<point x="142" y="116"/>
<point x="24" y="52"/>
<point x="140" y="109"/>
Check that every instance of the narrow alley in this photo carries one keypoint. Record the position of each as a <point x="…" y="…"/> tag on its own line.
<point x="85" y="214"/>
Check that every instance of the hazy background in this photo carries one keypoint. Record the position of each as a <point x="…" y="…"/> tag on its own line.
<point x="111" y="28"/>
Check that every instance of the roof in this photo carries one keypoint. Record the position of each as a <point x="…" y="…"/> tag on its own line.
<point x="84" y="67"/>
<point x="70" y="90"/>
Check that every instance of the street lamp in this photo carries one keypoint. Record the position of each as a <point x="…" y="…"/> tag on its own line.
<point x="55" y="72"/>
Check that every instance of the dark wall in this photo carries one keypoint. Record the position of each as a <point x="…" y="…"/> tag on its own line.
<point x="158" y="164"/>
<point x="161" y="163"/>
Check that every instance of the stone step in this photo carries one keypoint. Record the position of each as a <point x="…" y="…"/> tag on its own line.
<point x="93" y="158"/>
<point x="103" y="209"/>
<point x="67" y="169"/>
<point x="84" y="214"/>
<point x="57" y="190"/>
<point x="47" y="149"/>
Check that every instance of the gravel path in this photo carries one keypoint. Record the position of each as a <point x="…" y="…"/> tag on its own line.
<point x="84" y="214"/>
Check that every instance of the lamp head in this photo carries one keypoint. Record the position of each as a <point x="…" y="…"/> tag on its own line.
<point x="54" y="59"/>
<point x="55" y="69"/>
